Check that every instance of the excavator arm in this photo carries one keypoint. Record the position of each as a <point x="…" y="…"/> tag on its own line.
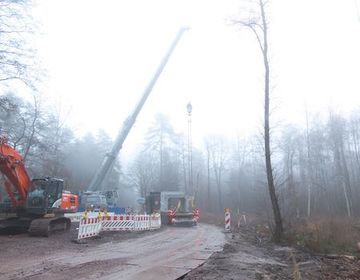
<point x="17" y="181"/>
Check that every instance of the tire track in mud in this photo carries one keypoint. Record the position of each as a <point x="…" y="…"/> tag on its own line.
<point x="166" y="254"/>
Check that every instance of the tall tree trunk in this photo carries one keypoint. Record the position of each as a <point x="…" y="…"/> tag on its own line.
<point x="208" y="178"/>
<point x="346" y="182"/>
<point x="218" y="171"/>
<point x="309" y="169"/>
<point x="269" y="172"/>
<point x="33" y="128"/>
<point x="260" y="29"/>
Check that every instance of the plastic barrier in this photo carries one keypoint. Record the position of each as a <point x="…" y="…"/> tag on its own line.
<point x="118" y="223"/>
<point x="92" y="226"/>
<point x="227" y="220"/>
<point x="155" y="221"/>
<point x="89" y="227"/>
<point x="76" y="217"/>
<point x="142" y="222"/>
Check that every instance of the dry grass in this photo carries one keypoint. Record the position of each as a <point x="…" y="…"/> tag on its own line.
<point x="335" y="235"/>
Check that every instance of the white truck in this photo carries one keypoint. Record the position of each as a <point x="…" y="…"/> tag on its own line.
<point x="175" y="208"/>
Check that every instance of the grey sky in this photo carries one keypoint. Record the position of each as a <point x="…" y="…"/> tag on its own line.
<point x="100" y="55"/>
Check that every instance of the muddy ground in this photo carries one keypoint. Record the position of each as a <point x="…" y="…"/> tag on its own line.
<point x="250" y="255"/>
<point x="247" y="254"/>
<point x="18" y="251"/>
<point x="163" y="254"/>
<point x="22" y="244"/>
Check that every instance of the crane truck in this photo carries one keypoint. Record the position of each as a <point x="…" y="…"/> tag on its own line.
<point x="38" y="204"/>
<point x="109" y="159"/>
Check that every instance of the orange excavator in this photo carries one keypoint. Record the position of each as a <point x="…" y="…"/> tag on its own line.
<point x="39" y="204"/>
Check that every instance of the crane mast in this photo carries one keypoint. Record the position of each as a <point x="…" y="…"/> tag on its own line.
<point x="109" y="159"/>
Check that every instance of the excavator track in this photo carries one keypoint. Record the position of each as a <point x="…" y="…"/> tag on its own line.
<point x="46" y="226"/>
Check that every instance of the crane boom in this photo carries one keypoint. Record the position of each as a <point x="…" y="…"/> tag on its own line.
<point x="109" y="159"/>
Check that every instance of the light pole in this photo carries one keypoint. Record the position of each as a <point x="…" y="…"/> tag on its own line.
<point x="189" y="111"/>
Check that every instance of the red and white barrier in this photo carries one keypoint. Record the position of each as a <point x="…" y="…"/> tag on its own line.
<point x="155" y="221"/>
<point x="196" y="214"/>
<point x="227" y="220"/>
<point x="89" y="227"/>
<point x="76" y="217"/>
<point x="141" y="222"/>
<point x="118" y="223"/>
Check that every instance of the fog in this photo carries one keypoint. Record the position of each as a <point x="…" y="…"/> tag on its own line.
<point x="106" y="63"/>
<point x="99" y="58"/>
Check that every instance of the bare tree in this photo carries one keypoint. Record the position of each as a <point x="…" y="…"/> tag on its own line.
<point x="33" y="126"/>
<point x="17" y="57"/>
<point x="337" y="134"/>
<point x="163" y="141"/>
<point x="19" y="121"/>
<point x="142" y="174"/>
<point x="218" y="157"/>
<point x="208" y="175"/>
<point x="259" y="26"/>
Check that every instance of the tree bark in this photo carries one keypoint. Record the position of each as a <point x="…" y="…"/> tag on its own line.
<point x="269" y="172"/>
<point x="208" y="177"/>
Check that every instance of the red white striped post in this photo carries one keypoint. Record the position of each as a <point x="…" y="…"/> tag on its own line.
<point x="227" y="220"/>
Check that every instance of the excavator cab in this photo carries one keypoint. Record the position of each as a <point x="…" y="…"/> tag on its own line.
<point x="44" y="196"/>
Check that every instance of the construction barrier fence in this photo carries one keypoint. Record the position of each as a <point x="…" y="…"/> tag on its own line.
<point x="155" y="221"/>
<point x="89" y="227"/>
<point x="118" y="223"/>
<point x="76" y="217"/>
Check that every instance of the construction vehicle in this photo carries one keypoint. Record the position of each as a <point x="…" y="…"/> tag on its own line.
<point x="175" y="208"/>
<point x="93" y="201"/>
<point x="39" y="204"/>
<point x="108" y="162"/>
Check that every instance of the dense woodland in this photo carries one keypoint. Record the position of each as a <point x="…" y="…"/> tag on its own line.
<point x="316" y="165"/>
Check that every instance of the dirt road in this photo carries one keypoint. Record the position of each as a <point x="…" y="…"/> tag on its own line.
<point x="250" y="255"/>
<point x="166" y="254"/>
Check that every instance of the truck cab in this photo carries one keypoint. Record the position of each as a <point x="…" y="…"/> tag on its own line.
<point x="93" y="201"/>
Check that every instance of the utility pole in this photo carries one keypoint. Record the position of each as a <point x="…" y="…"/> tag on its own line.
<point x="191" y="185"/>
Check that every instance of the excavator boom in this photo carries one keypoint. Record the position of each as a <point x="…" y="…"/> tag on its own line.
<point x="17" y="180"/>
<point x="39" y="203"/>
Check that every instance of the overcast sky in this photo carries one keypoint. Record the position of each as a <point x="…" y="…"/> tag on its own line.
<point x="100" y="56"/>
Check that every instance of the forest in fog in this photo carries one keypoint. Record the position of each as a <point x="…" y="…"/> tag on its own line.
<point x="308" y="168"/>
<point x="316" y="165"/>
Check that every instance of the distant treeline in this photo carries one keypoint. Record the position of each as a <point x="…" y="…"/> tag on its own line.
<point x="316" y="166"/>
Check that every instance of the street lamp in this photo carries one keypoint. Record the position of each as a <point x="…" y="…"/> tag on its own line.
<point x="189" y="108"/>
<point x="189" y="111"/>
